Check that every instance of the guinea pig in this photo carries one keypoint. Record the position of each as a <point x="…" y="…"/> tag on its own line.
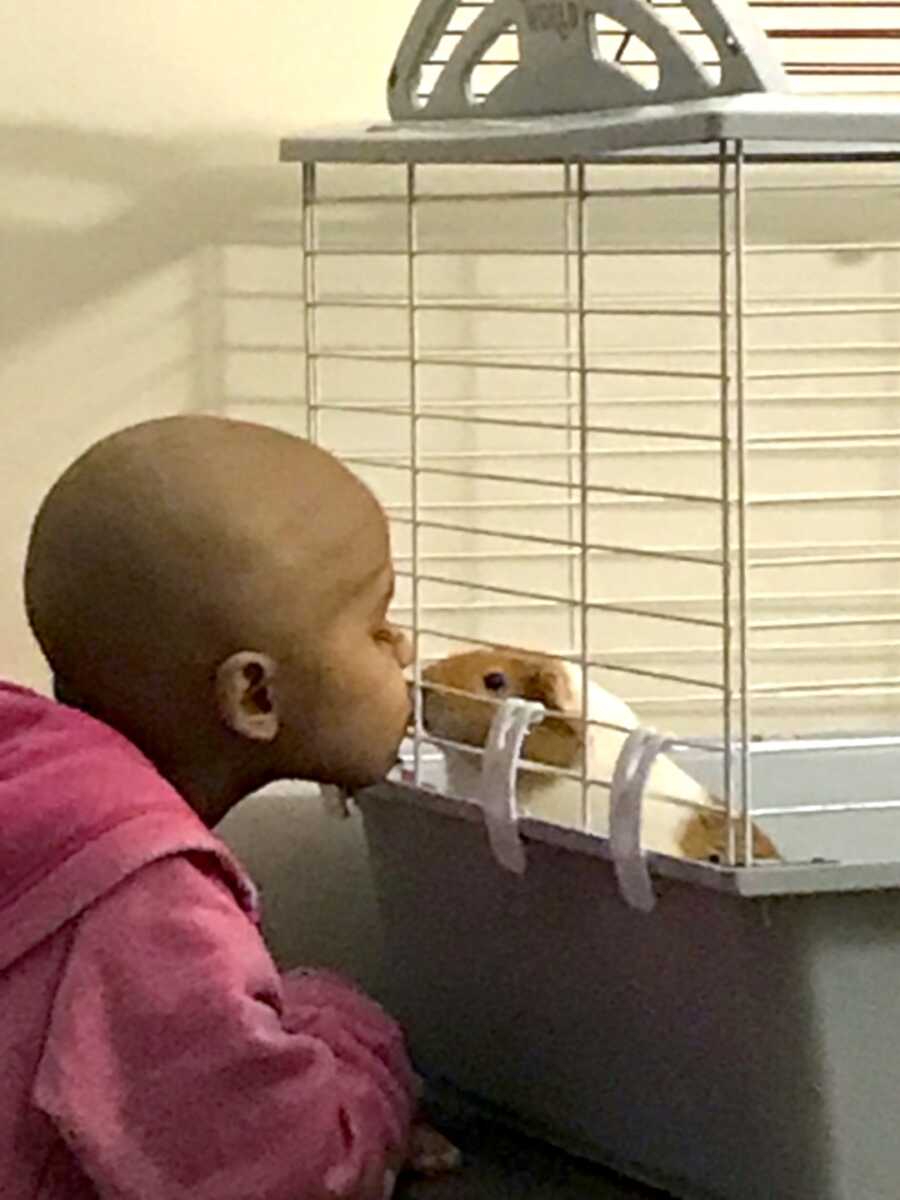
<point x="485" y="676"/>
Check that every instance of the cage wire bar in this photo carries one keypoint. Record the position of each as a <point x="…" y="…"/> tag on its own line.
<point x="734" y="505"/>
<point x="570" y="285"/>
<point x="412" y="333"/>
<point x="743" y="501"/>
<point x="580" y="198"/>
<point x="310" y="292"/>
<point x="725" y="278"/>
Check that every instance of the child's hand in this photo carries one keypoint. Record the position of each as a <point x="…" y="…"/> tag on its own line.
<point x="430" y="1153"/>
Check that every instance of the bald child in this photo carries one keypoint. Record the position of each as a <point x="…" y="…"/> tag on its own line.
<point x="212" y="599"/>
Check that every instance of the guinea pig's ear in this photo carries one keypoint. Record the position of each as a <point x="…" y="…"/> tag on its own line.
<point x="245" y="694"/>
<point x="549" y="684"/>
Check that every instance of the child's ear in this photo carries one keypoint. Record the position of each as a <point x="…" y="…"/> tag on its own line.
<point x="245" y="695"/>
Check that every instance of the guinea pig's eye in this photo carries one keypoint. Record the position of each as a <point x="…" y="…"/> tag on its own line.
<point x="495" y="681"/>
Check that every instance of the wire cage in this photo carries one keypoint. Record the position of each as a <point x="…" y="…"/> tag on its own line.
<point x="626" y="381"/>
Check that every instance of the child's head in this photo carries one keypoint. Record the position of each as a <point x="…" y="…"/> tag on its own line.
<point x="218" y="591"/>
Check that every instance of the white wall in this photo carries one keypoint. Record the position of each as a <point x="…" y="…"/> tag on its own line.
<point x="134" y="140"/>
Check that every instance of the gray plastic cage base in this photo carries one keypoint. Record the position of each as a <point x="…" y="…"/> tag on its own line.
<point x="723" y="1047"/>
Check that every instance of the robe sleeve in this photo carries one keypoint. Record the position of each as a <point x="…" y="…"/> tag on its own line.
<point x="178" y="1063"/>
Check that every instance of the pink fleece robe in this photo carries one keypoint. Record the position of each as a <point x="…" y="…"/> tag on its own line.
<point x="149" y="1048"/>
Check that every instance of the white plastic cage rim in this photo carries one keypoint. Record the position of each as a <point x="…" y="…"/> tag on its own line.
<point x="767" y="123"/>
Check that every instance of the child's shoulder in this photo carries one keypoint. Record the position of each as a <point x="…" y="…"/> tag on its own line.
<point x="82" y="810"/>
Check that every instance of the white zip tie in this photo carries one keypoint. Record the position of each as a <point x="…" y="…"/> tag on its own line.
<point x="633" y="766"/>
<point x="499" y="767"/>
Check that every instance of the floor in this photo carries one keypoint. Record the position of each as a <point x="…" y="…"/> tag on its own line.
<point x="499" y="1165"/>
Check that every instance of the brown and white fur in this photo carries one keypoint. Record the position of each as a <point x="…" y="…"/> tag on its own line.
<point x="486" y="676"/>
